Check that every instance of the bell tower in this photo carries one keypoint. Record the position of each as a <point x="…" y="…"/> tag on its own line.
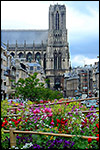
<point x="57" y="53"/>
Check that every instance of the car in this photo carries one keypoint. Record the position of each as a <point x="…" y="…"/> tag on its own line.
<point x="90" y="103"/>
<point x="13" y="100"/>
<point x="83" y="102"/>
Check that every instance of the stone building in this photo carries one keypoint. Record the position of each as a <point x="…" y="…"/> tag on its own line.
<point x="79" y="81"/>
<point x="96" y="77"/>
<point x="11" y="71"/>
<point x="3" y="69"/>
<point x="49" y="47"/>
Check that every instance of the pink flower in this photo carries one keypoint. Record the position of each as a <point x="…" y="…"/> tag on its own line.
<point x="34" y="111"/>
<point x="50" y="115"/>
<point x="42" y="110"/>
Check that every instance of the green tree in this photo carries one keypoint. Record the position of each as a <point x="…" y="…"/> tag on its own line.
<point x="33" y="90"/>
<point x="29" y="88"/>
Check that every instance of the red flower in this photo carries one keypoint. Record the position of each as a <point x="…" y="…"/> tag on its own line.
<point x="82" y="123"/>
<point x="52" y="122"/>
<point x="5" y="118"/>
<point x="19" y="119"/>
<point x="6" y="121"/>
<point x="58" y="121"/>
<point x="57" y="124"/>
<point x="66" y="120"/>
<point x="97" y="126"/>
<point x="89" y="140"/>
<point x="62" y="122"/>
<point x="62" y="119"/>
<point x="85" y="121"/>
<point x="97" y="135"/>
<point x="3" y="125"/>
<point x="67" y="131"/>
<point x="26" y="120"/>
<point x="59" y="129"/>
<point x="97" y="139"/>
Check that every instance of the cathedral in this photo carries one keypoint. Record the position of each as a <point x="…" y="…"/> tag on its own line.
<point x="49" y="47"/>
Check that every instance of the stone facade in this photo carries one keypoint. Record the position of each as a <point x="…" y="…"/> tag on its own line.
<point x="53" y="51"/>
<point x="57" y="54"/>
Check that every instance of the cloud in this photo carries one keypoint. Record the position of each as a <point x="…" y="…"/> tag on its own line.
<point x="81" y="60"/>
<point x="80" y="23"/>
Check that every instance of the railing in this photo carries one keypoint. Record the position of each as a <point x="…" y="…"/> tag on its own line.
<point x="68" y="101"/>
<point x="13" y="133"/>
<point x="63" y="102"/>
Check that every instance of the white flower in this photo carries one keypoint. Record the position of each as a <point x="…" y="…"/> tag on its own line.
<point x="69" y="127"/>
<point x="74" y="118"/>
<point x="14" y="117"/>
<point x="16" y="148"/>
<point x="82" y="120"/>
<point x="13" y="147"/>
<point x="80" y="125"/>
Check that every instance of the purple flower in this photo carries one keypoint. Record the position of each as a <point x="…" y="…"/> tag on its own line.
<point x="82" y="131"/>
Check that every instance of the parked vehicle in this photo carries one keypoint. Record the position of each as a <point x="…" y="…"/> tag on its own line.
<point x="90" y="103"/>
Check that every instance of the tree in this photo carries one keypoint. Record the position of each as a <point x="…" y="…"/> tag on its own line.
<point x="33" y="90"/>
<point x="28" y="88"/>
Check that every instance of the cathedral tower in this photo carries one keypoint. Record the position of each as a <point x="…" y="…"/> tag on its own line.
<point x="57" y="54"/>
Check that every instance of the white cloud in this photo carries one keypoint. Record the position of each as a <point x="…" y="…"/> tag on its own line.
<point x="81" y="60"/>
<point x="34" y="15"/>
<point x="27" y="14"/>
<point x="82" y="23"/>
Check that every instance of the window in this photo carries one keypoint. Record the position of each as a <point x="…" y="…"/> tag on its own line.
<point x="21" y="55"/>
<point x="31" y="67"/>
<point x="38" y="68"/>
<point x="59" y="60"/>
<point x="57" y="21"/>
<point x="55" y="60"/>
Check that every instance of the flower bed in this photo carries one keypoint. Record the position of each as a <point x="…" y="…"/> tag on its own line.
<point x="60" y="118"/>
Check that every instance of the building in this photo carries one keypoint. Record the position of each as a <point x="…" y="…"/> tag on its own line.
<point x="3" y="69"/>
<point x="11" y="71"/>
<point x="49" y="47"/>
<point x="96" y="78"/>
<point x="71" y="84"/>
<point x="79" y="81"/>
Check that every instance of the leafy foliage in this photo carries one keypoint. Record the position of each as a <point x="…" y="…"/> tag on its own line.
<point x="33" y="90"/>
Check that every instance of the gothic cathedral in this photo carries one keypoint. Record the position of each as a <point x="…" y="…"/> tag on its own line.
<point x="50" y="47"/>
<point x="57" y="54"/>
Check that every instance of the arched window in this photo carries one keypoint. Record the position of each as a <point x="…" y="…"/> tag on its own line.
<point x="55" y="60"/>
<point x="44" y="62"/>
<point x="59" y="60"/>
<point x="57" y="21"/>
<point x="21" y="55"/>
<point x="12" y="54"/>
<point x="29" y="57"/>
<point x="38" y="57"/>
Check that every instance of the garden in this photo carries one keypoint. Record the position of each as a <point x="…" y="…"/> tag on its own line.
<point x="67" y="118"/>
<point x="42" y="119"/>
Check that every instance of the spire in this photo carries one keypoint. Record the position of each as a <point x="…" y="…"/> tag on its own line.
<point x="16" y="43"/>
<point x="24" y="43"/>
<point x="33" y="44"/>
<point x="7" y="44"/>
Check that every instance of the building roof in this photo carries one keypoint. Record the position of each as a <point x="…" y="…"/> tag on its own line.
<point x="21" y="35"/>
<point x="3" y="46"/>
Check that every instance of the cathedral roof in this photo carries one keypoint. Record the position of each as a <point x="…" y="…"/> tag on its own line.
<point x="30" y="36"/>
